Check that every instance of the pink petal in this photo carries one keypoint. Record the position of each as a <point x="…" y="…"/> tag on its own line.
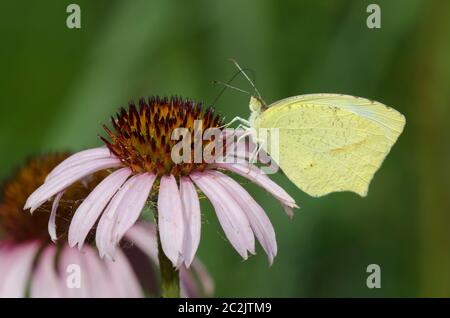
<point x="16" y="263"/>
<point x="52" y="219"/>
<point x="45" y="282"/>
<point x="255" y="175"/>
<point x="122" y="212"/>
<point x="103" y="237"/>
<point x="78" y="159"/>
<point x="188" y="287"/>
<point x="123" y="280"/>
<point x="170" y="219"/>
<point x="192" y="219"/>
<point x="98" y="277"/>
<point x="131" y="206"/>
<point x="259" y="221"/>
<point x="62" y="181"/>
<point x="6" y="255"/>
<point x="69" y="260"/>
<point x="231" y="217"/>
<point x="204" y="277"/>
<point x="143" y="235"/>
<point x="89" y="211"/>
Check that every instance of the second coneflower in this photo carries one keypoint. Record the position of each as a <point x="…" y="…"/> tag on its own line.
<point x="31" y="265"/>
<point x="139" y="152"/>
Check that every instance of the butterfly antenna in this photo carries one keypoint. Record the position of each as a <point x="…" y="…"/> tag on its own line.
<point x="246" y="76"/>
<point x="227" y="85"/>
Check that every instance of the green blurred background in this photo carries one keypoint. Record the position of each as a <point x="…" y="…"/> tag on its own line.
<point x="58" y="86"/>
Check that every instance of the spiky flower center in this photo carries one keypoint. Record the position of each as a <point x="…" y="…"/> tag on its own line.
<point x="143" y="135"/>
<point x="19" y="225"/>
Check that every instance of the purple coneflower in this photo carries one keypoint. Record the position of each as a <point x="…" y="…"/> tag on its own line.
<point x="138" y="152"/>
<point x="31" y="265"/>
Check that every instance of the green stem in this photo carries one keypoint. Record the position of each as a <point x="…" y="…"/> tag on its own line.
<point x="170" y="278"/>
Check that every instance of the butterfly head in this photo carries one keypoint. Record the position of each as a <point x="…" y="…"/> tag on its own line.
<point x="256" y="104"/>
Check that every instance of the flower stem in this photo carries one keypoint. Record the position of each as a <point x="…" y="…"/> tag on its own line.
<point x="170" y="278"/>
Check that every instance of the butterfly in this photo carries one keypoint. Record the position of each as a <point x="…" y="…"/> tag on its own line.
<point x="327" y="142"/>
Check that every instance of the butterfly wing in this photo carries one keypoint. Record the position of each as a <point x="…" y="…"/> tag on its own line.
<point x="331" y="142"/>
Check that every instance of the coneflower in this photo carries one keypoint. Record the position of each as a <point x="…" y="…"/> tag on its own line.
<point x="139" y="151"/>
<point x="32" y="265"/>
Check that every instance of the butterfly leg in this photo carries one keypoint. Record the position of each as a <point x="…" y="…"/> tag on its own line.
<point x="248" y="132"/>
<point x="255" y="153"/>
<point x="243" y="121"/>
<point x="244" y="128"/>
<point x="258" y="145"/>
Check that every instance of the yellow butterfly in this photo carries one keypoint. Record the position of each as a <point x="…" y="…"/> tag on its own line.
<point x="327" y="142"/>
